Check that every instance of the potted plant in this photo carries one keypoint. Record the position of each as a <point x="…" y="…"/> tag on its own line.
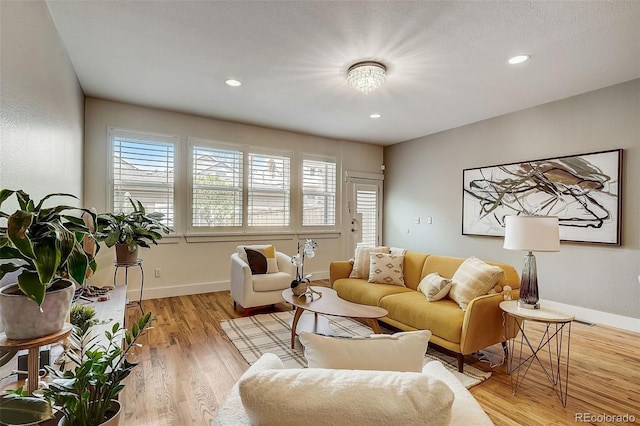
<point x="128" y="231"/>
<point x="300" y="285"/>
<point x="41" y="246"/>
<point x="85" y="393"/>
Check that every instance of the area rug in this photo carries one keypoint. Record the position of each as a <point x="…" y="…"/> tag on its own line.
<point x="259" y="334"/>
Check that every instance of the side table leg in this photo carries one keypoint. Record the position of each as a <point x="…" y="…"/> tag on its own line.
<point x="33" y="367"/>
<point x="141" y="288"/>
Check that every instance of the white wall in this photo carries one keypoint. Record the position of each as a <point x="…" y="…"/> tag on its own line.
<point x="199" y="267"/>
<point x="41" y="106"/>
<point x="423" y="178"/>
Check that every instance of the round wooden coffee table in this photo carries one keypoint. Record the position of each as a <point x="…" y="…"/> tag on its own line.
<point x="330" y="304"/>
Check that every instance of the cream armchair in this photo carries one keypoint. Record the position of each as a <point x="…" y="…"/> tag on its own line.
<point x="249" y="290"/>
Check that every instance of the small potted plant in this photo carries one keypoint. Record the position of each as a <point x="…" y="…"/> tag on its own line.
<point x="85" y="393"/>
<point x="42" y="247"/>
<point x="128" y="231"/>
<point x="300" y="285"/>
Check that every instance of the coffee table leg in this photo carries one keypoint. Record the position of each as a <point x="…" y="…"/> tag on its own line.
<point x="373" y="323"/>
<point x="296" y="318"/>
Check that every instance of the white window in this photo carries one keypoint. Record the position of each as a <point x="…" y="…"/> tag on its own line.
<point x="269" y="190"/>
<point x="143" y="170"/>
<point x="318" y="192"/>
<point x="217" y="187"/>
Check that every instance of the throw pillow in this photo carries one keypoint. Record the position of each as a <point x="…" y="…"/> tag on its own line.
<point x="261" y="258"/>
<point x="361" y="260"/>
<point x="386" y="269"/>
<point x="322" y="397"/>
<point x="434" y="286"/>
<point x="473" y="278"/>
<point x="402" y="351"/>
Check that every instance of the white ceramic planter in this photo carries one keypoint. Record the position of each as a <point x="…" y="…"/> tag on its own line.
<point x="23" y="319"/>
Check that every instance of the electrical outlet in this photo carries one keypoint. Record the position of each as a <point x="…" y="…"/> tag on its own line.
<point x="158" y="272"/>
<point x="416" y="220"/>
<point x="429" y="220"/>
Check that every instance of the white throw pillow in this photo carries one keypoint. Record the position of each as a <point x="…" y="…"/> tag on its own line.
<point x="362" y="259"/>
<point x="434" y="286"/>
<point x="473" y="278"/>
<point x="386" y="269"/>
<point x="402" y="351"/>
<point x="320" y="397"/>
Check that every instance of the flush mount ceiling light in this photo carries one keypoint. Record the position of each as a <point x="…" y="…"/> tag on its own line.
<point x="366" y="77"/>
<point x="518" y="59"/>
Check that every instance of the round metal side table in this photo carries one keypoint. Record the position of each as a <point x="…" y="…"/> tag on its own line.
<point x="551" y="352"/>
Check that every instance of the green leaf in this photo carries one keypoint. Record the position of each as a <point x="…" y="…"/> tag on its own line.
<point x="4" y="194"/>
<point x="17" y="411"/>
<point x="57" y="194"/>
<point x="17" y="226"/>
<point x="77" y="264"/>
<point x="47" y="260"/>
<point x="23" y="200"/>
<point x="30" y="285"/>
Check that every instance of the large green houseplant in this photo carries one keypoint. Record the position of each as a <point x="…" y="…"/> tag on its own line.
<point x="42" y="247"/>
<point x="128" y="231"/>
<point x="84" y="393"/>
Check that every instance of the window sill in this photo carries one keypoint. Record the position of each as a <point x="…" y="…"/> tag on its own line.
<point x="258" y="236"/>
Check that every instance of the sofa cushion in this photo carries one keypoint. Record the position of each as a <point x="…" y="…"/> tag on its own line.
<point x="271" y="282"/>
<point x="443" y="318"/>
<point x="260" y="258"/>
<point x="402" y="351"/>
<point x="364" y="293"/>
<point x="361" y="260"/>
<point x="434" y="287"/>
<point x="318" y="396"/>
<point x="472" y="279"/>
<point x="386" y="269"/>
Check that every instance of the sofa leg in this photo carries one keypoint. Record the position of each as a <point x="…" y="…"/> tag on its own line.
<point x="460" y="363"/>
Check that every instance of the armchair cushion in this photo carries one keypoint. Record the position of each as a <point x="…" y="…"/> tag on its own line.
<point x="270" y="282"/>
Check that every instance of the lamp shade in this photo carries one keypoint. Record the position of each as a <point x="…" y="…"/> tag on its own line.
<point x="532" y="233"/>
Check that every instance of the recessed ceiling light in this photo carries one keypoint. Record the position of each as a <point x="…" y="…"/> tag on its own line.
<point x="518" y="59"/>
<point x="233" y="83"/>
<point x="375" y="115"/>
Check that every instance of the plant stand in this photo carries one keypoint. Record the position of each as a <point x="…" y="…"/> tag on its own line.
<point x="137" y="263"/>
<point x="33" y="345"/>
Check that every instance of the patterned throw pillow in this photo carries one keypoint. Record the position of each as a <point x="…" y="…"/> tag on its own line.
<point x="434" y="286"/>
<point x="261" y="258"/>
<point x="361" y="260"/>
<point x="472" y="279"/>
<point x="386" y="269"/>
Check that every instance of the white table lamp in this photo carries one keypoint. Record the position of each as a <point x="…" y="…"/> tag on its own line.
<point x="531" y="233"/>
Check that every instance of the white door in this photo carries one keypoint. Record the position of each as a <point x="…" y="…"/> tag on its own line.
<point x="365" y="210"/>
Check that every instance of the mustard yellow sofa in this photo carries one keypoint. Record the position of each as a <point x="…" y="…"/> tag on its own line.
<point x="460" y="331"/>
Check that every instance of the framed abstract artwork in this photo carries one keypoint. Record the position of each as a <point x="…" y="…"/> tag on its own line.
<point x="584" y="191"/>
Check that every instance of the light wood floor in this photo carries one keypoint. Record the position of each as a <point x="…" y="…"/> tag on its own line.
<point x="187" y="367"/>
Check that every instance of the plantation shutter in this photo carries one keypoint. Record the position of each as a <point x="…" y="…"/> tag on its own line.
<point x="217" y="187"/>
<point x="366" y="204"/>
<point x="269" y="186"/>
<point x="143" y="170"/>
<point x="318" y="192"/>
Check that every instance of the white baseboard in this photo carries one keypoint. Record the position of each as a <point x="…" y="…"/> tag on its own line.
<point x="596" y="317"/>
<point x="188" y="289"/>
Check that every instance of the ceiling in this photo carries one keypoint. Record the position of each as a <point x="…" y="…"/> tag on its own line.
<point x="447" y="61"/>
